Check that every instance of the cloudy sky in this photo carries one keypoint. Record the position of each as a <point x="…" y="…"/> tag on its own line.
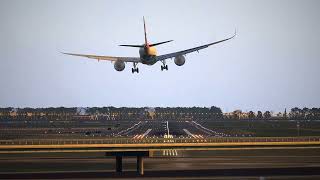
<point x="272" y="64"/>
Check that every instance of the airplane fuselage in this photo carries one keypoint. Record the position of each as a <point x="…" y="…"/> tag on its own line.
<point x="148" y="55"/>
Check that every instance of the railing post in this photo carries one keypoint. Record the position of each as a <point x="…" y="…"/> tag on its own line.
<point x="119" y="164"/>
<point x="140" y="168"/>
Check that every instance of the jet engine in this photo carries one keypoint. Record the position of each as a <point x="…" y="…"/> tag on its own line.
<point x="119" y="65"/>
<point x="179" y="60"/>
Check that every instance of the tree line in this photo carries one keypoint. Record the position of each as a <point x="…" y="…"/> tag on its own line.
<point x="158" y="113"/>
<point x="305" y="113"/>
<point x="119" y="113"/>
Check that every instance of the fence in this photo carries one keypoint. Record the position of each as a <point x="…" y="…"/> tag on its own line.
<point x="156" y="140"/>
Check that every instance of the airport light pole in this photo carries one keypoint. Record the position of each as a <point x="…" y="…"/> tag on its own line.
<point x="168" y="128"/>
<point x="298" y="128"/>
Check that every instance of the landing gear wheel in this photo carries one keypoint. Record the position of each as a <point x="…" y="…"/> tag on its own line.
<point x="164" y="67"/>
<point x="135" y="70"/>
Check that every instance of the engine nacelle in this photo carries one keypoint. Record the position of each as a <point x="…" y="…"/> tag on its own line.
<point x="179" y="60"/>
<point x="119" y="65"/>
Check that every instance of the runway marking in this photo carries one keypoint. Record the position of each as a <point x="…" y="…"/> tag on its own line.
<point x="189" y="133"/>
<point x="169" y="152"/>
<point x="126" y="131"/>
<point x="207" y="131"/>
<point x="146" y="133"/>
<point x="142" y="135"/>
<point x="199" y="136"/>
<point x="168" y="128"/>
<point x="203" y="128"/>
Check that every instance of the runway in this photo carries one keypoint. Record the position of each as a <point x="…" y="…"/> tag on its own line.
<point x="300" y="160"/>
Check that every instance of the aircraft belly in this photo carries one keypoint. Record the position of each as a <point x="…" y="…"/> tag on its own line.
<point x="149" y="60"/>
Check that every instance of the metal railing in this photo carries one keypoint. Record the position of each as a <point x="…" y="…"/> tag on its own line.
<point x="157" y="140"/>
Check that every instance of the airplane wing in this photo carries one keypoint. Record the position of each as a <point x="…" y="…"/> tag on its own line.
<point x="184" y="52"/>
<point x="106" y="58"/>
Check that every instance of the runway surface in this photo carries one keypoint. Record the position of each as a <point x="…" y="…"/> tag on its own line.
<point x="97" y="129"/>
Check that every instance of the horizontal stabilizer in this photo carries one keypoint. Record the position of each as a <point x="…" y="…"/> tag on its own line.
<point x="126" y="45"/>
<point x="156" y="44"/>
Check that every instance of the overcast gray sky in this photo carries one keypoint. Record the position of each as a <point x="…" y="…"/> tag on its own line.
<point x="273" y="63"/>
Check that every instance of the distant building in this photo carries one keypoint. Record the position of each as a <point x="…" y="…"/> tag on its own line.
<point x="81" y="111"/>
<point x="14" y="112"/>
<point x="237" y="114"/>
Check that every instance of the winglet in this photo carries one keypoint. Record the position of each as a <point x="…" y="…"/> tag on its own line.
<point x="234" y="35"/>
<point x="235" y="32"/>
<point x="64" y="53"/>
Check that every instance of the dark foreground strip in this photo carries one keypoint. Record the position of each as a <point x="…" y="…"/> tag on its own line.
<point x="294" y="171"/>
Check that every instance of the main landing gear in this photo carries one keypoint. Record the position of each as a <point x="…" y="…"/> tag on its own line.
<point x="135" y="69"/>
<point x="164" y="66"/>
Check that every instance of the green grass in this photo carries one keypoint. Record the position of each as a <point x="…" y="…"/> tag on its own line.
<point x="265" y="128"/>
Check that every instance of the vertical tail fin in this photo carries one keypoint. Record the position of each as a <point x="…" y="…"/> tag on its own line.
<point x="145" y="32"/>
<point x="146" y="44"/>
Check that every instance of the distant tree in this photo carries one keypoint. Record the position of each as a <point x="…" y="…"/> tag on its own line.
<point x="305" y="112"/>
<point x="216" y="112"/>
<point x="315" y="113"/>
<point x="296" y="113"/>
<point x="267" y="115"/>
<point x="251" y="115"/>
<point x="259" y="115"/>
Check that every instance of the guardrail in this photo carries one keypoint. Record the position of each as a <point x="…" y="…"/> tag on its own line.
<point x="156" y="140"/>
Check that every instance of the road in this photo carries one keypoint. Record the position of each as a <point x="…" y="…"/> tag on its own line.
<point x="295" y="163"/>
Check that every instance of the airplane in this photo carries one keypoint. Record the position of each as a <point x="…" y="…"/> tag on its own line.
<point x="148" y="54"/>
